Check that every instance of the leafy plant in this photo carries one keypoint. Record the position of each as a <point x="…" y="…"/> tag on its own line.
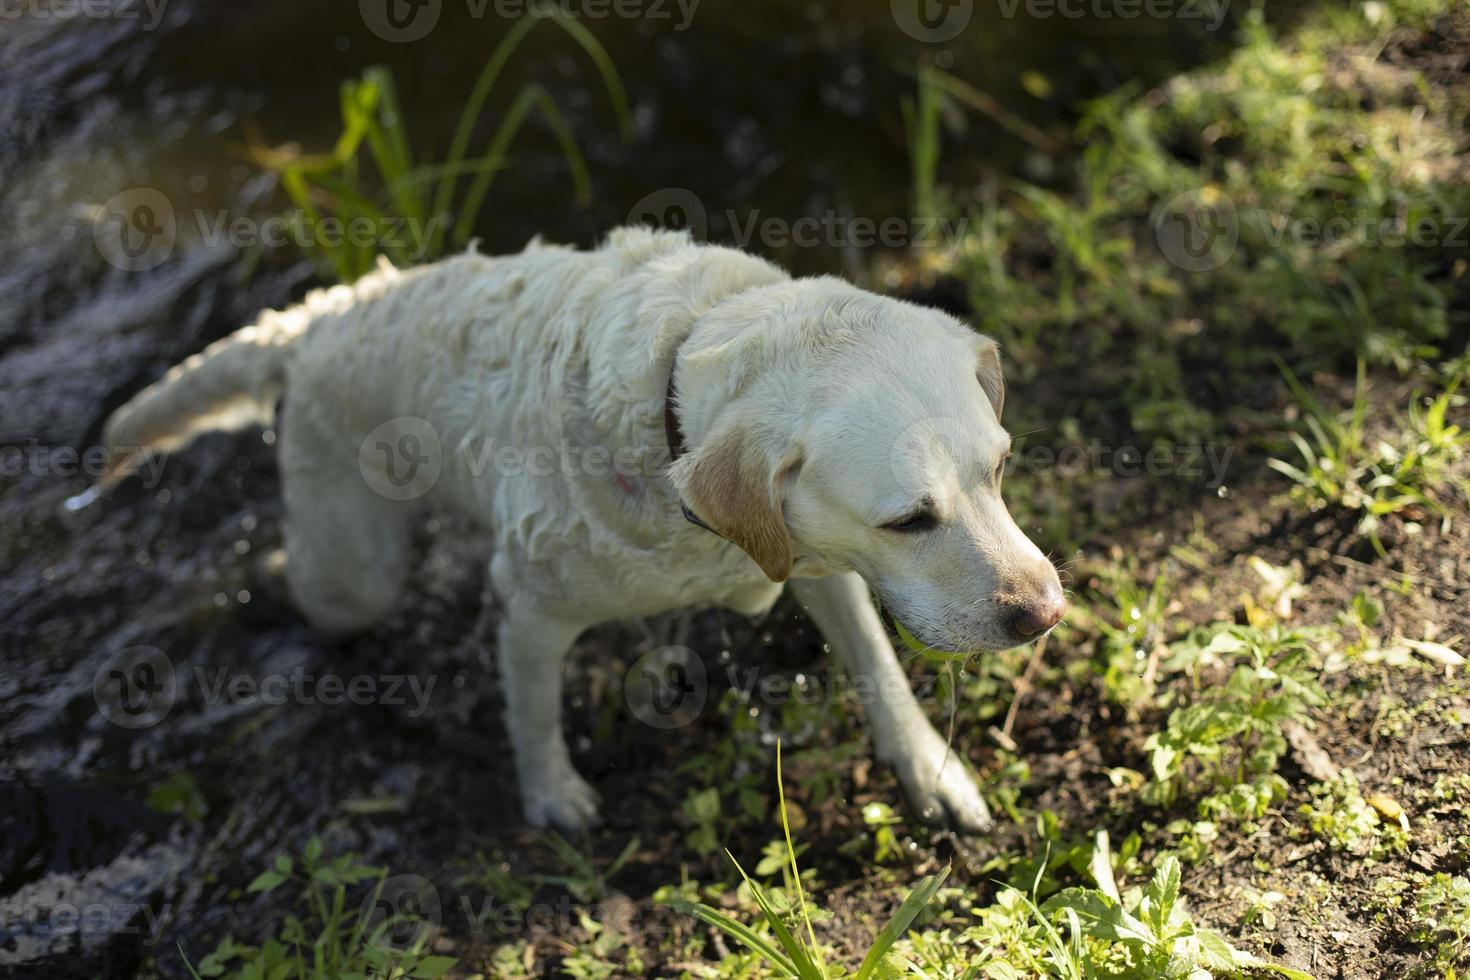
<point x="881" y="820"/>
<point x="1086" y="933"/>
<point x="1442" y="917"/>
<point x="1339" y="815"/>
<point x="1129" y="615"/>
<point x="730" y="775"/>
<point x="790" y="952"/>
<point x="1228" y="737"/>
<point x="418" y="197"/>
<point x="330" y="940"/>
<point x="1142" y="933"/>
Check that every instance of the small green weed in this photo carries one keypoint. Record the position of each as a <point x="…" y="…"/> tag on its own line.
<point x="1086" y="933"/>
<point x="791" y="952"/>
<point x="1129" y="613"/>
<point x="1442" y="918"/>
<point x="1340" y="468"/>
<point x="1228" y="737"/>
<point x="1339" y="815"/>
<point x="330" y="940"/>
<point x="583" y="881"/>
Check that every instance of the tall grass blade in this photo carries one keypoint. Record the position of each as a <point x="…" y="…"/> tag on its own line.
<point x="920" y="897"/>
<point x="740" y="932"/>
<point x="791" y="857"/>
<point x="800" y="956"/>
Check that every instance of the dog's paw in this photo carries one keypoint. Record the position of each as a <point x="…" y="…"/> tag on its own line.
<point x="566" y="803"/>
<point x="943" y="792"/>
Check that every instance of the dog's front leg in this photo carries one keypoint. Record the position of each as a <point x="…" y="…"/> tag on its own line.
<point x="937" y="781"/>
<point x="532" y="647"/>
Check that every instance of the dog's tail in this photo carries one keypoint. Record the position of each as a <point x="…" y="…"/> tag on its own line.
<point x="229" y="385"/>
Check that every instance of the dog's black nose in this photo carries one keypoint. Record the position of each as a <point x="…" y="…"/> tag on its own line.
<point x="1039" y="613"/>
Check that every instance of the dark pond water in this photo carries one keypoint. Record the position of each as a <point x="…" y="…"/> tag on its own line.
<point x="122" y="835"/>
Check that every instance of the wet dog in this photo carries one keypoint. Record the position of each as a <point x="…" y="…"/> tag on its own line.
<point x="707" y="428"/>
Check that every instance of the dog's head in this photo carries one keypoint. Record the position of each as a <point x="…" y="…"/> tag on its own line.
<point x="837" y="430"/>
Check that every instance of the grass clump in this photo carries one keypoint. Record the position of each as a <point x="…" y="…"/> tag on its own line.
<point x="1144" y="932"/>
<point x="1339" y="815"/>
<point x="1289" y="197"/>
<point x="411" y="211"/>
<point x="791" y="948"/>
<point x="1342" y="468"/>
<point x="328" y="939"/>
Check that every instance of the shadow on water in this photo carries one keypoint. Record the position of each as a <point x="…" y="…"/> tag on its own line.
<point x="761" y="109"/>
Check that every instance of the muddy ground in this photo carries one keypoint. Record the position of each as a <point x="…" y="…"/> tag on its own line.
<point x="426" y="788"/>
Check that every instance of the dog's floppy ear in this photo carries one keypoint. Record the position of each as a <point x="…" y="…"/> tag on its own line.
<point x="989" y="375"/>
<point x="736" y="487"/>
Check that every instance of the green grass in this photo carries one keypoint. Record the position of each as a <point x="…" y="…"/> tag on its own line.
<point x="326" y="937"/>
<point x="1342" y="467"/>
<point x="1075" y="279"/>
<point x="790" y="948"/>
<point x="416" y="209"/>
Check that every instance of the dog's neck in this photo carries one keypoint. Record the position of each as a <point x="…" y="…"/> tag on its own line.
<point x="632" y="359"/>
<point x="672" y="433"/>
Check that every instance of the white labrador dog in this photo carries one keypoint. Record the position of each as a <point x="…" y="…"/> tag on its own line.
<point x="822" y="433"/>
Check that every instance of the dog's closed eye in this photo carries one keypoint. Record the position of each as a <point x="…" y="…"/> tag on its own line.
<point x="919" y="520"/>
<point x="1000" y="467"/>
